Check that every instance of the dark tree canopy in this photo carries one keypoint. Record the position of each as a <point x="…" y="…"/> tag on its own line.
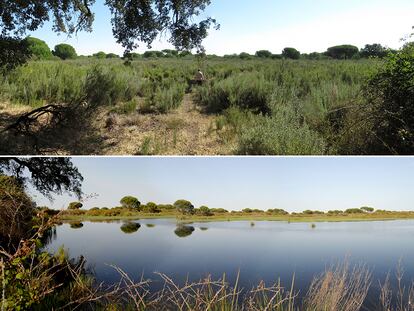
<point x="291" y="53"/>
<point x="142" y="21"/>
<point x="263" y="54"/>
<point x="48" y="175"/>
<point x="374" y="50"/>
<point x="13" y="53"/>
<point x="68" y="16"/>
<point x="345" y="51"/>
<point x="133" y="21"/>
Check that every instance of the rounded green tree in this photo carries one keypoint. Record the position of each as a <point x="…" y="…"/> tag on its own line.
<point x="65" y="51"/>
<point x="75" y="205"/>
<point x="38" y="48"/>
<point x="345" y="51"/>
<point x="130" y="202"/>
<point x="263" y="54"/>
<point x="184" y="207"/>
<point x="151" y="207"/>
<point x="291" y="53"/>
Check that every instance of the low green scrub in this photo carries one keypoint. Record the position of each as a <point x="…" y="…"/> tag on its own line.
<point x="245" y="90"/>
<point x="280" y="134"/>
<point x="164" y="100"/>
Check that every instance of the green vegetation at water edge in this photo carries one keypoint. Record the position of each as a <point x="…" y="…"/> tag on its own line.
<point x="185" y="210"/>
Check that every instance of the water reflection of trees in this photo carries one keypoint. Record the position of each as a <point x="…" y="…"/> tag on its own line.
<point x="203" y="228"/>
<point x="130" y="227"/>
<point x="150" y="225"/>
<point x="184" y="231"/>
<point x="76" y="225"/>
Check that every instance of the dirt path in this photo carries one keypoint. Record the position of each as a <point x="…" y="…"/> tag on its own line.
<point x="184" y="131"/>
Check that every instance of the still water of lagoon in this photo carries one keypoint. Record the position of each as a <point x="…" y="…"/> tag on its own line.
<point x="262" y="250"/>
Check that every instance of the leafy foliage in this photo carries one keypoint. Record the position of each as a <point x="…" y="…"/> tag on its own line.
<point x="16" y="212"/>
<point x="130" y="202"/>
<point x="263" y="54"/>
<point x="38" y="48"/>
<point x="291" y="53"/>
<point x="390" y="94"/>
<point x="342" y="51"/>
<point x="75" y="205"/>
<point x="374" y="50"/>
<point x="184" y="206"/>
<point x="132" y="21"/>
<point x="13" y="53"/>
<point x="48" y="175"/>
<point x="64" y="51"/>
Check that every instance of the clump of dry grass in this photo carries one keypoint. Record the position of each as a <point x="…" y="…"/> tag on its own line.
<point x="403" y="296"/>
<point x="340" y="287"/>
<point x="206" y="294"/>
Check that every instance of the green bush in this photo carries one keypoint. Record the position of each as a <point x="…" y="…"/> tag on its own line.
<point x="165" y="100"/>
<point x="38" y="48"/>
<point x="100" y="55"/>
<point x="354" y="211"/>
<point x="335" y="212"/>
<point x="283" y="133"/>
<point x="390" y="107"/>
<point x="277" y="211"/>
<point x="167" y="207"/>
<point x="342" y="51"/>
<point x="263" y="54"/>
<point x="130" y="202"/>
<point x="367" y="209"/>
<point x="65" y="51"/>
<point x="247" y="90"/>
<point x="291" y="53"/>
<point x="184" y="206"/>
<point x="205" y="211"/>
<point x="150" y="207"/>
<point x="16" y="212"/>
<point x="75" y="205"/>
<point x="218" y="210"/>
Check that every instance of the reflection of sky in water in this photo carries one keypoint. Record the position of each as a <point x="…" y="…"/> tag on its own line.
<point x="268" y="250"/>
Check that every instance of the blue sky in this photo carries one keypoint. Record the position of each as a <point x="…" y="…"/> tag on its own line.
<point x="309" y="25"/>
<point x="234" y="183"/>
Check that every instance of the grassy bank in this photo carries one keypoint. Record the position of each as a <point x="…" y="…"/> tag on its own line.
<point x="250" y="217"/>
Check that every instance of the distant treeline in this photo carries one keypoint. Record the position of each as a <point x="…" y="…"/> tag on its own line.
<point x="131" y="205"/>
<point x="41" y="51"/>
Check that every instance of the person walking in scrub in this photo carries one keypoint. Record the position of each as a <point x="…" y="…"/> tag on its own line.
<point x="199" y="77"/>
